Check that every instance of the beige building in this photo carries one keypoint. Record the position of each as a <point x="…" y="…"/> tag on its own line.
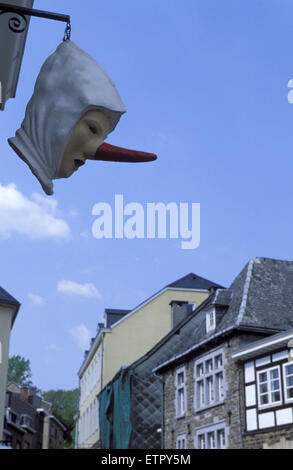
<point x="125" y="336"/>
<point x="8" y="310"/>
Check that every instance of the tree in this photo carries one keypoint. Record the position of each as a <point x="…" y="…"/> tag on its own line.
<point x="19" y="371"/>
<point x="65" y="407"/>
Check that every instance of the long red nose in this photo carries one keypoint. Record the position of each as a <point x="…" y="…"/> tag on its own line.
<point x="111" y="153"/>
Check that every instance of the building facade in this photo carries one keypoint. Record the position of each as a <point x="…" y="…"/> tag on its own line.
<point x="9" y="308"/>
<point x="267" y="368"/>
<point x="234" y="387"/>
<point x="29" y="422"/>
<point x="125" y="336"/>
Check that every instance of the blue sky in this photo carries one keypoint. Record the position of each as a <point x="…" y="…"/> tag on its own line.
<point x="205" y="87"/>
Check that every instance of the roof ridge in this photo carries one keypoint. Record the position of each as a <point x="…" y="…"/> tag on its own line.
<point x="246" y="289"/>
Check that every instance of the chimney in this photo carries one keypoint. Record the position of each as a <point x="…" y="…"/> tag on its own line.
<point x="25" y="392"/>
<point x="179" y="310"/>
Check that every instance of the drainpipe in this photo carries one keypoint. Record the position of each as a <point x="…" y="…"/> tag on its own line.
<point x="77" y="417"/>
<point x="163" y="411"/>
<point x="240" y="394"/>
<point x="102" y="361"/>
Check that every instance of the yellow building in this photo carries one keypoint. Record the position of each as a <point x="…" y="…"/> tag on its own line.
<point x="125" y="336"/>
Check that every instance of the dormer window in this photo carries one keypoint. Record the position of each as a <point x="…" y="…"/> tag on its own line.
<point x="210" y="320"/>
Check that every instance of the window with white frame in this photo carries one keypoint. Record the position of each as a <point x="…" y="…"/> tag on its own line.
<point x="12" y="416"/>
<point x="212" y="437"/>
<point x="209" y="380"/>
<point x="181" y="442"/>
<point x="269" y="387"/>
<point x="180" y="384"/>
<point x="288" y="381"/>
<point x="210" y="320"/>
<point x="25" y="420"/>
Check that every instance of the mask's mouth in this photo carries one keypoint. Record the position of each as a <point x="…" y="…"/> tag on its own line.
<point x="78" y="163"/>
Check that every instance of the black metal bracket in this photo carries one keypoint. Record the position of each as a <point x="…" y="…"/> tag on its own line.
<point x="18" y="24"/>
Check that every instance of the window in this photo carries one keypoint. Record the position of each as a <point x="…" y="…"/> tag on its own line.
<point x="201" y="441"/>
<point x="180" y="392"/>
<point x="181" y="442"/>
<point x="288" y="381"/>
<point x="25" y="420"/>
<point x="209" y="380"/>
<point x="212" y="437"/>
<point x="210" y="320"/>
<point x="11" y="416"/>
<point x="269" y="387"/>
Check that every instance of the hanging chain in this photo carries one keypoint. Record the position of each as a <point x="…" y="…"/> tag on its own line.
<point x="67" y="33"/>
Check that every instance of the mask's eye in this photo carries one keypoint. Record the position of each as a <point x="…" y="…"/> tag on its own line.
<point x="93" y="129"/>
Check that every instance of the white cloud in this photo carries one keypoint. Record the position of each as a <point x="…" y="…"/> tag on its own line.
<point x="81" y="336"/>
<point x="73" y="288"/>
<point x="35" y="216"/>
<point x="36" y="299"/>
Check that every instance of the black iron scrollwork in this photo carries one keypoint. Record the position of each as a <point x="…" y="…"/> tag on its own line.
<point x="17" y="24"/>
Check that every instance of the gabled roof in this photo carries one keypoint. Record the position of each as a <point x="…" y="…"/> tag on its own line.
<point x="193" y="281"/>
<point x="262" y="295"/>
<point x="260" y="299"/>
<point x="190" y="281"/>
<point x="7" y="299"/>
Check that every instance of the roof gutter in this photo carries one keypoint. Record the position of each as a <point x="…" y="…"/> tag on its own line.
<point x="239" y="327"/>
<point x="93" y="349"/>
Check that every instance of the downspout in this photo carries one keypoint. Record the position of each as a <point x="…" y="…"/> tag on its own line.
<point x="102" y="362"/>
<point x="162" y="410"/>
<point x="240" y="394"/>
<point x="78" y="419"/>
<point x="101" y="388"/>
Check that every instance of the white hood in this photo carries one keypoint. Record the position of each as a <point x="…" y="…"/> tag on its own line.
<point x="69" y="84"/>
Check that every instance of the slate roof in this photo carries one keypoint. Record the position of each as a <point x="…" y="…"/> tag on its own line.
<point x="193" y="281"/>
<point x="6" y="298"/>
<point x="113" y="315"/>
<point x="190" y="281"/>
<point x="260" y="299"/>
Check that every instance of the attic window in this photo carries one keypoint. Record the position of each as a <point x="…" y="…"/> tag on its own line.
<point x="210" y="320"/>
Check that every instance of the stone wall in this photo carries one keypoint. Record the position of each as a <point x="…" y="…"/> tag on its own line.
<point x="231" y="411"/>
<point x="282" y="438"/>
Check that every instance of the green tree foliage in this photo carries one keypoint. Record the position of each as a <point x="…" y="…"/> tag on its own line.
<point x="19" y="371"/>
<point x="65" y="407"/>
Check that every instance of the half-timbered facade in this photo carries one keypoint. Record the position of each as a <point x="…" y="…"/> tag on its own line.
<point x="268" y="388"/>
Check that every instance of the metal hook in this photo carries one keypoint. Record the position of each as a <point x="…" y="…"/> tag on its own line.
<point x="67" y="33"/>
